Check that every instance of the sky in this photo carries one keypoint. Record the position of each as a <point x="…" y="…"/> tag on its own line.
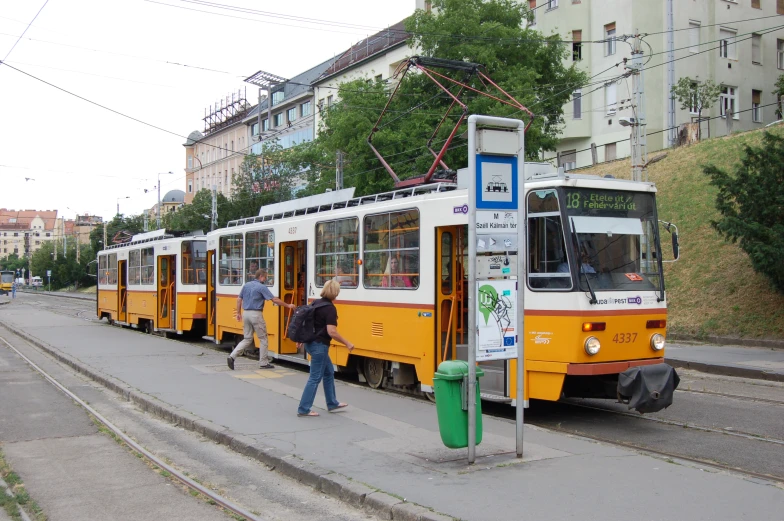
<point x="158" y="61"/>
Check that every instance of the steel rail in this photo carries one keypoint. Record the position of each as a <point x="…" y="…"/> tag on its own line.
<point x="185" y="480"/>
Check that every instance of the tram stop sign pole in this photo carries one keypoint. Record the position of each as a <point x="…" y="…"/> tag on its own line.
<point x="496" y="233"/>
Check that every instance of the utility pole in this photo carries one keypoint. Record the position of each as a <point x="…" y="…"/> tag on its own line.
<point x="55" y="240"/>
<point x="146" y="222"/>
<point x="105" y="245"/>
<point x="638" y="138"/>
<point x="339" y="170"/>
<point x="673" y="132"/>
<point x="214" y="214"/>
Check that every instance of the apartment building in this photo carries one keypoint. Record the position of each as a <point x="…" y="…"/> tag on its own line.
<point x="375" y="58"/>
<point x="23" y="232"/>
<point x="727" y="41"/>
<point x="71" y="231"/>
<point x="213" y="156"/>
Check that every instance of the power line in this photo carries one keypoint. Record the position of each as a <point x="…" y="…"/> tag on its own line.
<point x="26" y="28"/>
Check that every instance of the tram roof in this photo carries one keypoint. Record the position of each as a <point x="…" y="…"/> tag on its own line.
<point x="148" y="237"/>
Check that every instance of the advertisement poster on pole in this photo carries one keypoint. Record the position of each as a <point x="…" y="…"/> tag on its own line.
<point x="496" y="319"/>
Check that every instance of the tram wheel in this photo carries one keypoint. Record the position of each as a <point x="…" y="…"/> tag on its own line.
<point x="110" y="320"/>
<point x="431" y="397"/>
<point x="374" y="372"/>
<point x="148" y="328"/>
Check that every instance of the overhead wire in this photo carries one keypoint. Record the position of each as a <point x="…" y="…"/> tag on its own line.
<point x="26" y="28"/>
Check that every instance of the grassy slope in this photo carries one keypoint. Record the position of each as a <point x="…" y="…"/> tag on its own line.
<point x="712" y="289"/>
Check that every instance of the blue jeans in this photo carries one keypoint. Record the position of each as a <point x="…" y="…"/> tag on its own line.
<point x="320" y="369"/>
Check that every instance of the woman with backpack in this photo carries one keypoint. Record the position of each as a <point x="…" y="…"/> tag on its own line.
<point x="325" y="321"/>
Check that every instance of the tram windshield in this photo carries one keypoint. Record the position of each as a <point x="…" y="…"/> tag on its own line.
<point x="614" y="239"/>
<point x="7" y="277"/>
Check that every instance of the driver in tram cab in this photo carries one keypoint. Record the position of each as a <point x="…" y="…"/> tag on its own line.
<point x="585" y="265"/>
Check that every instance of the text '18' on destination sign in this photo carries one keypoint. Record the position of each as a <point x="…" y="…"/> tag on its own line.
<point x="493" y="222"/>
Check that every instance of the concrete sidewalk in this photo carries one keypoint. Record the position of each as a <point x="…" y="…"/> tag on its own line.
<point x="384" y="451"/>
<point x="750" y="362"/>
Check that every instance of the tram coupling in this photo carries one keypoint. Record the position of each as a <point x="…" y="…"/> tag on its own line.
<point x="648" y="388"/>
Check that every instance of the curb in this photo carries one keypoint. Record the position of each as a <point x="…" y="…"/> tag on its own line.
<point x="51" y="294"/>
<point x="728" y="341"/>
<point x="322" y="480"/>
<point x="726" y="370"/>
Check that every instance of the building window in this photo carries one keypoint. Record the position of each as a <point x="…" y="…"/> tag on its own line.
<point x="379" y="78"/>
<point x="727" y="43"/>
<point x="568" y="160"/>
<point x="552" y="4"/>
<point x="329" y="100"/>
<point x="232" y="145"/>
<point x="190" y="162"/>
<point x="321" y="104"/>
<point x="756" y="49"/>
<point x="577" y="45"/>
<point x="264" y="125"/>
<point x="532" y="12"/>
<point x="190" y="186"/>
<point x="577" y="104"/>
<point x="755" y="4"/>
<point x="728" y="102"/>
<point x="779" y="7"/>
<point x="694" y="105"/>
<point x="304" y="109"/>
<point x="756" y="110"/>
<point x="291" y="114"/>
<point x="609" y="35"/>
<point x="610" y="98"/>
<point x="694" y="36"/>
<point x="47" y="234"/>
<point x="277" y="97"/>
<point x="610" y="151"/>
<point x="277" y="119"/>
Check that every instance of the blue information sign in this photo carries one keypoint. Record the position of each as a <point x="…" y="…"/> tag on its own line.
<point x="496" y="182"/>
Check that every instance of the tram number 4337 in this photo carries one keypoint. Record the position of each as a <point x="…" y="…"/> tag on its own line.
<point x="624" y="338"/>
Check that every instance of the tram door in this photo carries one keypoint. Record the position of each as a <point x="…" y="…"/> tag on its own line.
<point x="293" y="277"/>
<point x="211" y="293"/>
<point x="122" y="292"/>
<point x="451" y="297"/>
<point x="165" y="291"/>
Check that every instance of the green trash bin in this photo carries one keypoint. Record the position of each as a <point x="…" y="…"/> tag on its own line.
<point x="449" y="382"/>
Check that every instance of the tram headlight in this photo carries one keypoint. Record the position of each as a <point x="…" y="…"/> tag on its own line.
<point x="592" y="345"/>
<point x="657" y="342"/>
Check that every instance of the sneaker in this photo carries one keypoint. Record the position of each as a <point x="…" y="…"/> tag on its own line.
<point x="268" y="366"/>
<point x="230" y="361"/>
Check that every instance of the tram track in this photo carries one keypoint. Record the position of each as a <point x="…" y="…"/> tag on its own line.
<point x="148" y="456"/>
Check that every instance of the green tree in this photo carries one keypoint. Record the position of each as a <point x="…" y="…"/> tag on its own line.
<point x="694" y="95"/>
<point x="261" y="180"/>
<point x="196" y="216"/>
<point x="13" y="262"/>
<point x="492" y="33"/>
<point x="751" y="203"/>
<point x="120" y="226"/>
<point x="779" y="92"/>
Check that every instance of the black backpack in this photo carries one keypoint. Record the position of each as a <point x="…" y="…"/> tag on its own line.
<point x="302" y="327"/>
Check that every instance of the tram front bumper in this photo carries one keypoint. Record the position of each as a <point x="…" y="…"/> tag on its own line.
<point x="648" y="388"/>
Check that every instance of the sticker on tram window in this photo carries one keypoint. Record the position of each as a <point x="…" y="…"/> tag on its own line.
<point x="624" y="338"/>
<point x="633" y="277"/>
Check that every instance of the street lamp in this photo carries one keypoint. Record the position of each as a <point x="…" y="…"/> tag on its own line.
<point x="118" y="202"/>
<point x="158" y="217"/>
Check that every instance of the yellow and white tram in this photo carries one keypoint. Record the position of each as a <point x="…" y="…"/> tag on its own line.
<point x="154" y="282"/>
<point x="594" y="293"/>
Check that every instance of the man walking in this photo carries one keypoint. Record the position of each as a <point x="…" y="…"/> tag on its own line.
<point x="250" y="304"/>
<point x="13" y="289"/>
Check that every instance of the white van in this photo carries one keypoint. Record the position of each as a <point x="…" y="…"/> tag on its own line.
<point x="36" y="281"/>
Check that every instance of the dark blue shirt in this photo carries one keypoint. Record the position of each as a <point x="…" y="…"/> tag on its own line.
<point x="253" y="295"/>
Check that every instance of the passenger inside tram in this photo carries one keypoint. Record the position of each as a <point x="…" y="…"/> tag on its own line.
<point x="391" y="279"/>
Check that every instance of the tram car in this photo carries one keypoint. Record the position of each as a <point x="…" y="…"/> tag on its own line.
<point x="155" y="282"/>
<point x="595" y="303"/>
<point x="6" y="282"/>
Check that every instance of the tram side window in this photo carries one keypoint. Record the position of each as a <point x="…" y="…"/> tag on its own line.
<point x="230" y="263"/>
<point x="103" y="273"/>
<point x="112" y="269"/>
<point x="260" y="254"/>
<point x="148" y="266"/>
<point x="194" y="262"/>
<point x="134" y="267"/>
<point x="337" y="251"/>
<point x="391" y="253"/>
<point x="548" y="264"/>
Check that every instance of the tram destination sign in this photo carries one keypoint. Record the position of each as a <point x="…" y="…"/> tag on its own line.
<point x="618" y="203"/>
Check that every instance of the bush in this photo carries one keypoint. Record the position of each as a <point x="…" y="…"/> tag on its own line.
<point x="751" y="203"/>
